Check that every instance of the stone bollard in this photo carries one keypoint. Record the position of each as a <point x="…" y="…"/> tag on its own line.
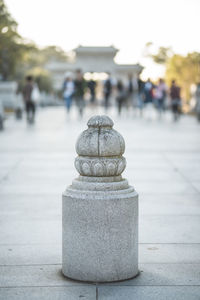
<point x="100" y="210"/>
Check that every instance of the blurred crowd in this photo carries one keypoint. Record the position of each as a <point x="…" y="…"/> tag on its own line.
<point x="125" y="94"/>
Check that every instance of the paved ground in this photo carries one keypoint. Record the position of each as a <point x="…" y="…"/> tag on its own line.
<point x="36" y="165"/>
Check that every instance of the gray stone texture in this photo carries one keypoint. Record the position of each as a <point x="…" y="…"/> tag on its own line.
<point x="100" y="210"/>
<point x="149" y="293"/>
<point x="50" y="293"/>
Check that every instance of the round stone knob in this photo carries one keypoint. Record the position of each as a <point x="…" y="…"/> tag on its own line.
<point x="100" y="149"/>
<point x="100" y="121"/>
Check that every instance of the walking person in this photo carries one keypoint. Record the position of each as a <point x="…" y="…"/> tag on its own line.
<point x="121" y="95"/>
<point x="140" y="96"/>
<point x="92" y="86"/>
<point x="175" y="100"/>
<point x="160" y="92"/>
<point x="107" y="89"/>
<point x="28" y="99"/>
<point x="80" y="86"/>
<point x="148" y="98"/>
<point x="68" y="93"/>
<point x="148" y="91"/>
<point x="130" y="93"/>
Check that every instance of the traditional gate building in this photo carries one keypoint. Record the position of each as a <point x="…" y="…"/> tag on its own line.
<point x="93" y="59"/>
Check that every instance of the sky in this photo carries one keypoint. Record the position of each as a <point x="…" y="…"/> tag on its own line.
<point x="126" y="24"/>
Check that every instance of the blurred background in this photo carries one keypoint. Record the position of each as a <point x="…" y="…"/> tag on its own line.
<point x="128" y="55"/>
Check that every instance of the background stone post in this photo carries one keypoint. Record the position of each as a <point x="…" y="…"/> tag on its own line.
<point x="100" y="210"/>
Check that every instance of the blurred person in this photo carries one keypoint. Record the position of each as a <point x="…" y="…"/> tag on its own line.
<point x="121" y="95"/>
<point x="80" y="86"/>
<point x="19" y="103"/>
<point x="148" y="91"/>
<point x="148" y="98"/>
<point x="175" y="97"/>
<point x="160" y="92"/>
<point x="68" y="93"/>
<point x="197" y="98"/>
<point x="107" y="89"/>
<point x="92" y="86"/>
<point x="130" y="92"/>
<point x="28" y="99"/>
<point x="140" y="91"/>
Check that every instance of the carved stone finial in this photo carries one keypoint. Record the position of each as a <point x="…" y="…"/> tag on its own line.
<point x="100" y="149"/>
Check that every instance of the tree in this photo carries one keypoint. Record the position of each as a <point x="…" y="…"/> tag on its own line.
<point x="34" y="62"/>
<point x="185" y="70"/>
<point x="53" y="52"/>
<point x="35" y="56"/>
<point x="19" y="57"/>
<point x="160" y="56"/>
<point x="11" y="46"/>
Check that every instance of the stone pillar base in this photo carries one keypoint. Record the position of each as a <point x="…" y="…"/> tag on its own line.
<point x="100" y="232"/>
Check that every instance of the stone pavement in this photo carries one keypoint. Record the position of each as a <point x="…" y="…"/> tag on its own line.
<point x="36" y="165"/>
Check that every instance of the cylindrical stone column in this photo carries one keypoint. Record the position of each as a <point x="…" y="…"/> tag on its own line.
<point x="100" y="210"/>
